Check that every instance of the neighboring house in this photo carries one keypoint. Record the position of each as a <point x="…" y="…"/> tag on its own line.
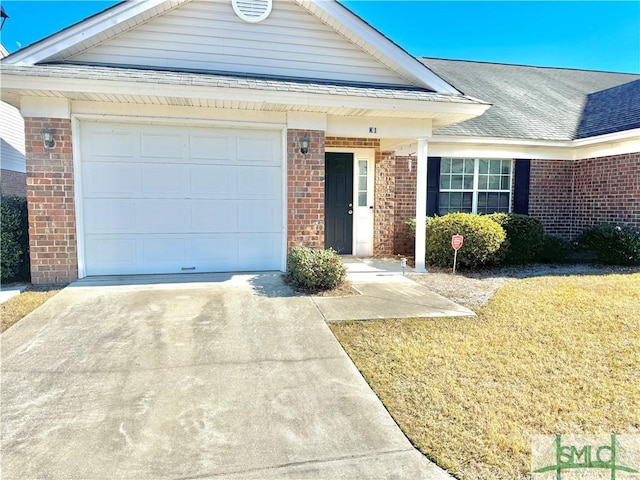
<point x="562" y="145"/>
<point x="13" y="177"/>
<point x="199" y="136"/>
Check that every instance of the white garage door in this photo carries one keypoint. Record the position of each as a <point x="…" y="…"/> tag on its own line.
<point x="165" y="199"/>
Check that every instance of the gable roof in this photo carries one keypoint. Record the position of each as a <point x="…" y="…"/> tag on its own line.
<point x="528" y="102"/>
<point x="89" y="42"/>
<point x="612" y="110"/>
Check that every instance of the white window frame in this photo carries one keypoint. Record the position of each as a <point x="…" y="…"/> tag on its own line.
<point x="476" y="179"/>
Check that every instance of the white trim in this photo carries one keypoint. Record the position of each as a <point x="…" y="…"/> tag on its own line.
<point x="77" y="194"/>
<point x="285" y="199"/>
<point x="178" y="121"/>
<point x="421" y="204"/>
<point x="475" y="190"/>
<point x="377" y="45"/>
<point x="86" y="30"/>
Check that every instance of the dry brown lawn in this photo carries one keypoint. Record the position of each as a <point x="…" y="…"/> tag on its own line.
<point x="546" y="355"/>
<point x="21" y="305"/>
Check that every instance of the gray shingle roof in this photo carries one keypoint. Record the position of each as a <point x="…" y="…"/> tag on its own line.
<point x="528" y="102"/>
<point x="149" y="76"/>
<point x="612" y="110"/>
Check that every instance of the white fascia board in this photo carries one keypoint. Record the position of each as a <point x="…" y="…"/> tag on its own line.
<point x="390" y="54"/>
<point x="603" y="145"/>
<point x="66" y="85"/>
<point x="85" y="30"/>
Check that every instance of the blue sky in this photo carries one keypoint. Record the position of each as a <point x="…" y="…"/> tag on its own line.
<point x="573" y="34"/>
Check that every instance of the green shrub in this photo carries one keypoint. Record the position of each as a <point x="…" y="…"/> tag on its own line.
<point x="312" y="270"/>
<point x="525" y="237"/>
<point x="613" y="244"/>
<point x="554" y="250"/>
<point x="482" y="240"/>
<point x="14" y="248"/>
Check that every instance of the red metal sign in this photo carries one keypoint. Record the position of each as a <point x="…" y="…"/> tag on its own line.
<point x="457" y="241"/>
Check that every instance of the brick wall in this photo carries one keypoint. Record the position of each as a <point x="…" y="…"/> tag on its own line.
<point x="571" y="196"/>
<point x="551" y="196"/>
<point x="13" y="183"/>
<point x="607" y="190"/>
<point x="405" y="203"/>
<point x="352" y="142"/>
<point x="52" y="227"/>
<point x="305" y="196"/>
<point x="385" y="204"/>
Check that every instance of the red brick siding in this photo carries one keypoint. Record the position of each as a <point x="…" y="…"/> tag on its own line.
<point x="13" y="183"/>
<point x="305" y="195"/>
<point x="569" y="196"/>
<point x="352" y="142"/>
<point x="550" y="195"/>
<point x="607" y="190"/>
<point x="405" y="203"/>
<point x="52" y="224"/>
<point x="385" y="204"/>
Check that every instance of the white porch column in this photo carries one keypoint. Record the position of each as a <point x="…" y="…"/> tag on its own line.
<point x="421" y="203"/>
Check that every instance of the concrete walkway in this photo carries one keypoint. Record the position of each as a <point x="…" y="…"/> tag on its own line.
<point x="217" y="376"/>
<point x="385" y="293"/>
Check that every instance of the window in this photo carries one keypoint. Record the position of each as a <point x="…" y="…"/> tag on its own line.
<point x="362" y="183"/>
<point x="475" y="185"/>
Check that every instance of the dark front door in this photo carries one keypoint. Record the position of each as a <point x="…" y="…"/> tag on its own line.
<point x="338" y="194"/>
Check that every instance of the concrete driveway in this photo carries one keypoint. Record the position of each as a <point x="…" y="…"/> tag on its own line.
<point x="227" y="376"/>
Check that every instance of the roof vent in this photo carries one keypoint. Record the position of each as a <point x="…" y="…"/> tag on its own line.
<point x="253" y="11"/>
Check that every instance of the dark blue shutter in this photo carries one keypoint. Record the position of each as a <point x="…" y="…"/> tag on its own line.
<point x="433" y="185"/>
<point x="521" y="189"/>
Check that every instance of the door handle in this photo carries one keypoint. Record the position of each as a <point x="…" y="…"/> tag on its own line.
<point x="350" y="212"/>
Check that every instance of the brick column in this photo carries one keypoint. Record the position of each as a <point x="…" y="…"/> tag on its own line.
<point x="385" y="201"/>
<point x="405" y="207"/>
<point x="305" y="192"/>
<point x="52" y="222"/>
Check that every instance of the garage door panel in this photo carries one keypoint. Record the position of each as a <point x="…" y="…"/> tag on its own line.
<point x="260" y="216"/>
<point x="257" y="252"/>
<point x="219" y="216"/>
<point x="256" y="149"/>
<point x="110" y="216"/>
<point x="109" y="179"/>
<point x="163" y="216"/>
<point x="214" y="180"/>
<point x="173" y="199"/>
<point x="109" y="250"/>
<point x="259" y="182"/>
<point x="166" y="179"/>
<point x="158" y="249"/>
<point x="212" y="148"/>
<point x="106" y="145"/>
<point x="162" y="146"/>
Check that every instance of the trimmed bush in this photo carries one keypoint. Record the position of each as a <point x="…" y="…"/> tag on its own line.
<point x="525" y="237"/>
<point x="483" y="238"/>
<point x="312" y="270"/>
<point x="613" y="244"/>
<point x="554" y="250"/>
<point x="14" y="248"/>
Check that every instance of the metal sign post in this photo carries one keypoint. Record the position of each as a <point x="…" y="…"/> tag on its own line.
<point x="456" y="242"/>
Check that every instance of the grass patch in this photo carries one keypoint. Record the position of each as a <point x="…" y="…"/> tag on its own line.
<point x="546" y="355"/>
<point x="16" y="308"/>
